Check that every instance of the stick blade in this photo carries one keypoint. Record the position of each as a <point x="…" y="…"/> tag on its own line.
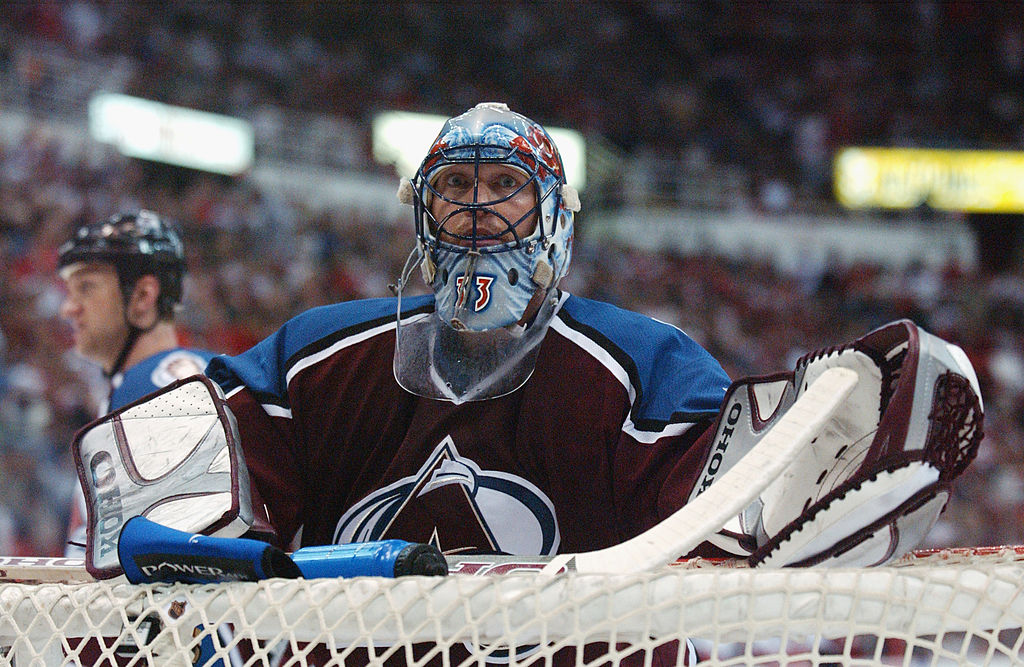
<point x="33" y="570"/>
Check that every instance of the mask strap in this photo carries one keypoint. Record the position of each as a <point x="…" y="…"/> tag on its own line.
<point x="543" y="277"/>
<point x="416" y="256"/>
<point x="465" y="290"/>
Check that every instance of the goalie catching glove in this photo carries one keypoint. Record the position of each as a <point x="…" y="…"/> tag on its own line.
<point x="872" y="484"/>
<point x="172" y="457"/>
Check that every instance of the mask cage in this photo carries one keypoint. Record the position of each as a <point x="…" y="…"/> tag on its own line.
<point x="430" y="231"/>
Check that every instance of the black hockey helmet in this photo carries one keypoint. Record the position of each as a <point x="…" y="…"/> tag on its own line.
<point x="136" y="244"/>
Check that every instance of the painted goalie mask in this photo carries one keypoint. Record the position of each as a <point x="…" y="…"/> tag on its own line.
<point x="494" y="229"/>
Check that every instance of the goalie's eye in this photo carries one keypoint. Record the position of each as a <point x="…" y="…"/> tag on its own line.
<point x="491" y="183"/>
<point x="454" y="182"/>
<point x="507" y="182"/>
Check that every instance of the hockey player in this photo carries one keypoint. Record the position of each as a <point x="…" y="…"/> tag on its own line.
<point x="124" y="279"/>
<point x="501" y="414"/>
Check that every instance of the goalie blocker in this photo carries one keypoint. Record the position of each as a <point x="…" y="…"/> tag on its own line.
<point x="172" y="457"/>
<point x="165" y="473"/>
<point x="871" y="486"/>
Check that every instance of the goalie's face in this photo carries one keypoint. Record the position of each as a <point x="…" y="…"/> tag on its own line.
<point x="94" y="307"/>
<point x="494" y="227"/>
<point x="479" y="205"/>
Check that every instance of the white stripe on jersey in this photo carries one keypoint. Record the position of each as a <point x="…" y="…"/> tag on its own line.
<point x="269" y="408"/>
<point x="306" y="362"/>
<point x="620" y="374"/>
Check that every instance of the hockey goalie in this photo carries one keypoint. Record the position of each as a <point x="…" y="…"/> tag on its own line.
<point x="864" y="487"/>
<point x="864" y="491"/>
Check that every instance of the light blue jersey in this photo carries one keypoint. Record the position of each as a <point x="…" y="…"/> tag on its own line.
<point x="154" y="373"/>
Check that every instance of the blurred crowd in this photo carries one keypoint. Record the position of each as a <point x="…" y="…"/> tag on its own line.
<point x="748" y="99"/>
<point x="767" y="88"/>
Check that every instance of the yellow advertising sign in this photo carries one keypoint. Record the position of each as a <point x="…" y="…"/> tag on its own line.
<point x="970" y="181"/>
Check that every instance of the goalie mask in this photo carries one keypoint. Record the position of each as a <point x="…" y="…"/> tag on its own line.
<point x="494" y="228"/>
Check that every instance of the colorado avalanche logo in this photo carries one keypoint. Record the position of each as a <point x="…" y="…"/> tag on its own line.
<point x="177" y="365"/>
<point x="454" y="505"/>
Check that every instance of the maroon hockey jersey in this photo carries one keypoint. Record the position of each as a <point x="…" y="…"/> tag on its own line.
<point x="597" y="446"/>
<point x="601" y="443"/>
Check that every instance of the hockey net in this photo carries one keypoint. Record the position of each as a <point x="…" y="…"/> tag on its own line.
<point x="950" y="607"/>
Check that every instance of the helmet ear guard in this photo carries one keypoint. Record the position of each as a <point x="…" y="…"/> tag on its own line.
<point x="570" y="198"/>
<point x="405" y="193"/>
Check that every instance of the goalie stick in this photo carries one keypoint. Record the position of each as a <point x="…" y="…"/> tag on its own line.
<point x="32" y="570"/>
<point x="662" y="544"/>
<point x="691" y="524"/>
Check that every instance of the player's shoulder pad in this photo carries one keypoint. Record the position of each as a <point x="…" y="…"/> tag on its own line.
<point x="323" y="326"/>
<point x="157" y="371"/>
<point x="670" y="371"/>
<point x="178" y="364"/>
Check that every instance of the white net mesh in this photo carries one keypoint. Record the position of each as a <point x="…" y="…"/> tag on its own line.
<point x="947" y="608"/>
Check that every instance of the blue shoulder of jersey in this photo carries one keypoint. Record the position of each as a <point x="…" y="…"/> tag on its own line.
<point x="675" y="379"/>
<point x="264" y="367"/>
<point x="156" y="372"/>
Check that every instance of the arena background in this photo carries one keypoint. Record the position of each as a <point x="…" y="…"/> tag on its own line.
<point x="711" y="128"/>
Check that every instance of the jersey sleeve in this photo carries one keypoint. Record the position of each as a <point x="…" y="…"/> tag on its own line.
<point x="654" y="478"/>
<point x="256" y="389"/>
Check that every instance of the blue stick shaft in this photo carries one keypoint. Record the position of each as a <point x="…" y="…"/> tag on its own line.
<point x="384" y="558"/>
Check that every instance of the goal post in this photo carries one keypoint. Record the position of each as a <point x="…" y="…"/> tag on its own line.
<point x="941" y="608"/>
